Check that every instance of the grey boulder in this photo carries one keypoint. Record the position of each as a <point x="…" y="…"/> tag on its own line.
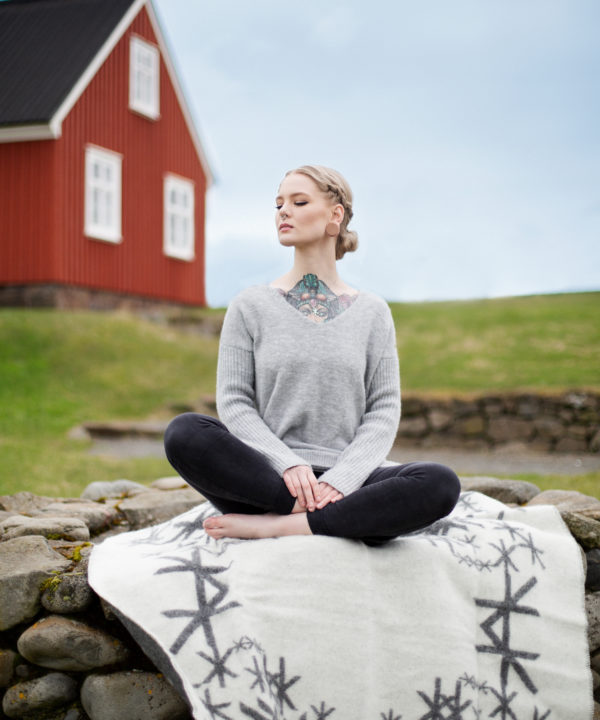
<point x="39" y="695"/>
<point x="584" y="529"/>
<point x="156" y="506"/>
<point x="49" y="526"/>
<point x="569" y="501"/>
<point x="96" y="516"/>
<point x="131" y="696"/>
<point x="100" y="490"/>
<point x="61" y="643"/>
<point x="592" y="608"/>
<point x="68" y="593"/>
<point x="507" y="491"/>
<point x="25" y="563"/>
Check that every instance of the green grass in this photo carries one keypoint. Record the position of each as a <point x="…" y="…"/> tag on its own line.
<point x="59" y="369"/>
<point x="544" y="342"/>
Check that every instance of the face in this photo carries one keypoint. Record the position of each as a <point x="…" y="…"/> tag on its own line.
<point x="303" y="211"/>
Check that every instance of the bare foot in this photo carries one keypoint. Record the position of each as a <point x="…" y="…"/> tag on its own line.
<point x="236" y="525"/>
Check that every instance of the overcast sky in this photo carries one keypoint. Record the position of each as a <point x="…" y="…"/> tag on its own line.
<point x="468" y="130"/>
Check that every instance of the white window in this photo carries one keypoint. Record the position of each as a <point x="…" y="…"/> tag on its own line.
<point x="102" y="194"/>
<point x="179" y="218"/>
<point x="144" y="78"/>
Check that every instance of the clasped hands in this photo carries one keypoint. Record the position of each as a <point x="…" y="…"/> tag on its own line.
<point x="311" y="494"/>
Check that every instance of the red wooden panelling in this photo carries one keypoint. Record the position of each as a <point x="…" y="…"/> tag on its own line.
<point x="27" y="204"/>
<point x="150" y="148"/>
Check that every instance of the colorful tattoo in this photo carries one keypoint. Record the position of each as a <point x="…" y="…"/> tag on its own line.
<point x="315" y="300"/>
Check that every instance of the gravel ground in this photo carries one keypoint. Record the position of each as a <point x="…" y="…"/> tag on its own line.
<point x="513" y="458"/>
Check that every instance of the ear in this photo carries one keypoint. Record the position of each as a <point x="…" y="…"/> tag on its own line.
<point x="337" y="213"/>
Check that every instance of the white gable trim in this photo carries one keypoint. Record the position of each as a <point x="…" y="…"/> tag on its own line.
<point x="164" y="51"/>
<point x="95" y="65"/>
<point x="53" y="129"/>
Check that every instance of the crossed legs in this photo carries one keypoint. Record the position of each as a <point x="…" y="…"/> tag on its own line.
<point x="241" y="483"/>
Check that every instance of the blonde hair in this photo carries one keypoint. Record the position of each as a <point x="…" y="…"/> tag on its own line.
<point x="333" y="184"/>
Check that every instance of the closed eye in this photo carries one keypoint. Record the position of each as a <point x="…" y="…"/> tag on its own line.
<point x="298" y="202"/>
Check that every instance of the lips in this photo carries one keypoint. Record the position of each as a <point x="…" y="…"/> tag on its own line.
<point x="285" y="226"/>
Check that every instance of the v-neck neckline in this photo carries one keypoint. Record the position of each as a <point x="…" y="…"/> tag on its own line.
<point x="303" y="318"/>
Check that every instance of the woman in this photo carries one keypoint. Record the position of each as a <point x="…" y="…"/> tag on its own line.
<point x="308" y="392"/>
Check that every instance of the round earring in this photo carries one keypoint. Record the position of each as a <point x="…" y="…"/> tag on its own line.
<point x="332" y="229"/>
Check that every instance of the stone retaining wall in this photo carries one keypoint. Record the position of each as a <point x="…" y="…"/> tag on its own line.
<point x="568" y="422"/>
<point x="64" y="655"/>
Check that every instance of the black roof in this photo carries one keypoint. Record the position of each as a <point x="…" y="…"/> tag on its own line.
<point x="45" y="46"/>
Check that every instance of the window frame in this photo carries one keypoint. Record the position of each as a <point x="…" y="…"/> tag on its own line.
<point x="172" y="182"/>
<point x="111" y="231"/>
<point x="148" y="108"/>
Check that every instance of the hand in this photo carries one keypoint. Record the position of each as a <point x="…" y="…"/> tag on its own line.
<point x="300" y="480"/>
<point x="328" y="494"/>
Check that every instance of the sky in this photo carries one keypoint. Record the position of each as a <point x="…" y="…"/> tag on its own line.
<point x="468" y="130"/>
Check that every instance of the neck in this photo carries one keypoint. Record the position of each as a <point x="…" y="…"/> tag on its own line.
<point x="319" y="261"/>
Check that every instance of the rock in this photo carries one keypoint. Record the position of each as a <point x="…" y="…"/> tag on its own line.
<point x="96" y="516"/>
<point x="412" y="427"/>
<point x="64" y="644"/>
<point x="504" y="429"/>
<point x="131" y="696"/>
<point x="68" y="593"/>
<point x="9" y="660"/>
<point x="569" y="501"/>
<point x="470" y="426"/>
<point x="507" y="491"/>
<point x="592" y="608"/>
<point x="39" y="695"/>
<point x="24" y="564"/>
<point x="169" y="483"/>
<point x="439" y="420"/>
<point x="594" y="445"/>
<point x="584" y="529"/>
<point x="595" y="662"/>
<point x="595" y="680"/>
<point x="571" y="445"/>
<point x="117" y="488"/>
<point x="156" y="506"/>
<point x="596" y="711"/>
<point x="49" y="526"/>
<point x="25" y="502"/>
<point x="549" y="427"/>
<point x="592" y="578"/>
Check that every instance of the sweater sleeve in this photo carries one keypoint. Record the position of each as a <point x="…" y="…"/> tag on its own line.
<point x="377" y="431"/>
<point x="236" y="404"/>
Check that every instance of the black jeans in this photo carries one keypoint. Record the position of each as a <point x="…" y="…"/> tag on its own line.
<point x="237" y="478"/>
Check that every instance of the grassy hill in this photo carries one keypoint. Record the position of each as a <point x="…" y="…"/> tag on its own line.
<point x="58" y="369"/>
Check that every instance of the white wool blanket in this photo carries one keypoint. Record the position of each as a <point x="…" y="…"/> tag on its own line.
<point x="480" y="615"/>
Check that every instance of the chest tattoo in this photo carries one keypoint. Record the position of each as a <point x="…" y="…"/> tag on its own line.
<point x="315" y="300"/>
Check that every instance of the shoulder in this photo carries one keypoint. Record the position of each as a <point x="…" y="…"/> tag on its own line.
<point x="250" y="298"/>
<point x="376" y="308"/>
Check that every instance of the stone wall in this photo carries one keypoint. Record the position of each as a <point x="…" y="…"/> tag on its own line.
<point x="568" y="422"/>
<point x="64" y="655"/>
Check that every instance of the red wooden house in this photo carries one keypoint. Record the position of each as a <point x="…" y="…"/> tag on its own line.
<point x="102" y="174"/>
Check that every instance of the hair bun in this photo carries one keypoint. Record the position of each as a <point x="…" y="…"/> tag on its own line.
<point x="347" y="242"/>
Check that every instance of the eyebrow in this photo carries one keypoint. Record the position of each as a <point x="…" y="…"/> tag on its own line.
<point x="292" y="195"/>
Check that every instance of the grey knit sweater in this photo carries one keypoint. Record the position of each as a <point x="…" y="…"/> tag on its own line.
<point x="303" y="393"/>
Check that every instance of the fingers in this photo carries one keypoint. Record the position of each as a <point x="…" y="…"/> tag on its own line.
<point x="328" y="494"/>
<point x="302" y="484"/>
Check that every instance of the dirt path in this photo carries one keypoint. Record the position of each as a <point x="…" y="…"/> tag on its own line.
<point x="513" y="458"/>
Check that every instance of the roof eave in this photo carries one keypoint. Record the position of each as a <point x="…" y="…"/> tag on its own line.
<point x="180" y="94"/>
<point x="30" y="131"/>
<point x="53" y="129"/>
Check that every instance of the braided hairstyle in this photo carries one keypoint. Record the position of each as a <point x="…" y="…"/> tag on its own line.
<point x="335" y="186"/>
